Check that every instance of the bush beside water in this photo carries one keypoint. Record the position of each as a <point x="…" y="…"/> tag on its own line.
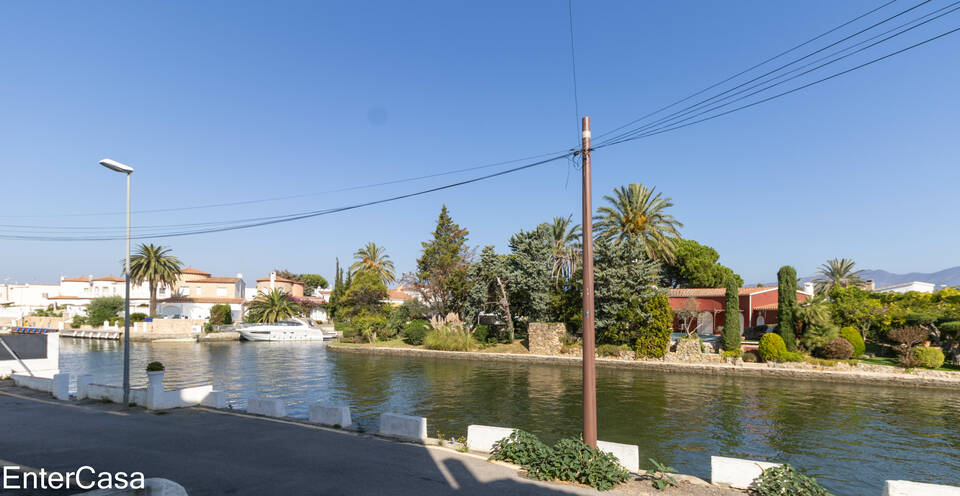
<point x="852" y="335"/>
<point x="931" y="358"/>
<point x="569" y="460"/>
<point x="772" y="347"/>
<point x="783" y="480"/>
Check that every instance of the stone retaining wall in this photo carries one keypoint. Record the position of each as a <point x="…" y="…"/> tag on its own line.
<point x="546" y="338"/>
<point x="868" y="374"/>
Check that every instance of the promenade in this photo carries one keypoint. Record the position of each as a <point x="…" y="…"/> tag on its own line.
<point x="211" y="452"/>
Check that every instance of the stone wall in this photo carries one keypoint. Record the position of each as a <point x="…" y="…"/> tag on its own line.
<point x="45" y="322"/>
<point x="546" y="338"/>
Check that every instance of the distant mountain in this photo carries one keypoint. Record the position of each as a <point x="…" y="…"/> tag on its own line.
<point x="881" y="278"/>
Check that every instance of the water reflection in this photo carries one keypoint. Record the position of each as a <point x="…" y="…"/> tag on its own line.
<point x="852" y="437"/>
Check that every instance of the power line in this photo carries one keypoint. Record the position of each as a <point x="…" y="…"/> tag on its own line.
<point x="675" y="117"/>
<point x="794" y="90"/>
<point x="708" y="88"/>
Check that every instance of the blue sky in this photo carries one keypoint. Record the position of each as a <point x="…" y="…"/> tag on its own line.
<point x="230" y="101"/>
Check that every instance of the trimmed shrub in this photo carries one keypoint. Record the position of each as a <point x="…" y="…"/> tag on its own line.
<point x="485" y="334"/>
<point x="787" y="306"/>
<point x="519" y="447"/>
<point x="155" y="367"/>
<point x="733" y="353"/>
<point x="138" y="317"/>
<point x="792" y="356"/>
<point x="852" y="335"/>
<point x="930" y="358"/>
<point x="573" y="460"/>
<point x="951" y="328"/>
<point x="839" y="348"/>
<point x="78" y="320"/>
<point x="777" y="481"/>
<point x="731" y="322"/>
<point x="750" y="357"/>
<point x="101" y="310"/>
<point x="771" y="347"/>
<point x="220" y="314"/>
<point x="610" y="350"/>
<point x="919" y="319"/>
<point x="414" y="331"/>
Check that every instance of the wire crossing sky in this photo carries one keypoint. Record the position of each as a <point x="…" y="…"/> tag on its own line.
<point x="341" y="128"/>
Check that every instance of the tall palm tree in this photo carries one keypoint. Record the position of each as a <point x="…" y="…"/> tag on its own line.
<point x="637" y="213"/>
<point x="374" y="258"/>
<point x="566" y="247"/>
<point x="155" y="265"/>
<point x="837" y="272"/>
<point x="273" y="305"/>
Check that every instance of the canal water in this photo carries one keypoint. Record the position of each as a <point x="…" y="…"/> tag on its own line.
<point x="851" y="437"/>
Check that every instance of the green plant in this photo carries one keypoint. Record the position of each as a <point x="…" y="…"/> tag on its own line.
<point x="484" y="334"/>
<point x="787" y="306"/>
<point x="575" y="461"/>
<point x="951" y="328"/>
<point x="792" y="356"/>
<point x="273" y="306"/>
<point x="839" y="348"/>
<point x="414" y="331"/>
<point x="154" y="265"/>
<point x="101" y="310"/>
<point x="852" y="335"/>
<point x="907" y="338"/>
<point x="660" y="475"/>
<point x="771" y="347"/>
<point x="786" y="480"/>
<point x="155" y="367"/>
<point x="367" y="326"/>
<point x="931" y="358"/>
<point x="610" y="350"/>
<point x="220" y="314"/>
<point x="449" y="334"/>
<point x="733" y="353"/>
<point x="520" y="447"/>
<point x="78" y="320"/>
<point x="138" y="317"/>
<point x="731" y="321"/>
<point x="750" y="357"/>
<point x="463" y="446"/>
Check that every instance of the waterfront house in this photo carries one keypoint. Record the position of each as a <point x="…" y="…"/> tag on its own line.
<point x="758" y="306"/>
<point x="289" y="286"/>
<point x="198" y="291"/>
<point x="906" y="287"/>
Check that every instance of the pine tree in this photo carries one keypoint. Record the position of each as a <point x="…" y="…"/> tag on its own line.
<point x="731" y="322"/>
<point x="787" y="306"/>
<point x="442" y="267"/>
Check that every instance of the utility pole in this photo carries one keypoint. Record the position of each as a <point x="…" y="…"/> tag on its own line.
<point x="589" y="338"/>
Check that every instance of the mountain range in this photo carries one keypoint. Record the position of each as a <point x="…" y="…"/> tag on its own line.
<point x="881" y="278"/>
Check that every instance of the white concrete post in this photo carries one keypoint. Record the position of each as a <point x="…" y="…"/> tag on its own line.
<point x="61" y="386"/>
<point x="82" y="382"/>
<point x="154" y="389"/>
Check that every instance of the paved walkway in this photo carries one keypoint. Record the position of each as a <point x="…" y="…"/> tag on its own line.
<point x="213" y="452"/>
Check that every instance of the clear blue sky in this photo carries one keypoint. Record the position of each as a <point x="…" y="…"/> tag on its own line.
<point x="230" y="101"/>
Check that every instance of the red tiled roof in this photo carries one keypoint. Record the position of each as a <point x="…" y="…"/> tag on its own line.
<point x="191" y="270"/>
<point x="109" y="278"/>
<point x="220" y="280"/>
<point x="768" y="306"/>
<point x="76" y="279"/>
<point x="706" y="292"/>
<point x="186" y="299"/>
<point x="280" y="279"/>
<point x="398" y="294"/>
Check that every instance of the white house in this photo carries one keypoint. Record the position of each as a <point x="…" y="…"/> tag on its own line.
<point x="19" y="300"/>
<point x="197" y="292"/>
<point x="906" y="287"/>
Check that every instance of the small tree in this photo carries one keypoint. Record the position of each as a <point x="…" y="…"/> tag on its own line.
<point x="103" y="309"/>
<point x="731" y="321"/>
<point x="220" y="314"/>
<point x="787" y="305"/>
<point x="687" y="315"/>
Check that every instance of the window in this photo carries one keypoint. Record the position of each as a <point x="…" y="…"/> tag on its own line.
<point x="221" y="291"/>
<point x="196" y="291"/>
<point x="760" y="320"/>
<point x="184" y="291"/>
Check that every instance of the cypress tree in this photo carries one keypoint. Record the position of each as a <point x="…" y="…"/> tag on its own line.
<point x="731" y="321"/>
<point x="787" y="306"/>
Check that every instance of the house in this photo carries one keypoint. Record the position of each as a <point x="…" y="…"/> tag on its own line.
<point x="906" y="287"/>
<point x="758" y="306"/>
<point x="75" y="293"/>
<point x="291" y="287"/>
<point x="197" y="291"/>
<point x="19" y="300"/>
<point x="401" y="294"/>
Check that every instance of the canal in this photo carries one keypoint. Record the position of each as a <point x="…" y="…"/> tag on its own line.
<point x="851" y="437"/>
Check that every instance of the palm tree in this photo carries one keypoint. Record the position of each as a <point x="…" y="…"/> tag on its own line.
<point x="155" y="265"/>
<point x="374" y="258"/>
<point x="837" y="272"/>
<point x="566" y="247"/>
<point x="637" y="213"/>
<point x="272" y="306"/>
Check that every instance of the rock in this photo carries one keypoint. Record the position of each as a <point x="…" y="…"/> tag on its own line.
<point x="546" y="338"/>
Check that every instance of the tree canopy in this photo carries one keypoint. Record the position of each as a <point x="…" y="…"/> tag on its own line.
<point x="155" y="265"/>
<point x="638" y="213"/>
<point x="696" y="266"/>
<point x="441" y="276"/>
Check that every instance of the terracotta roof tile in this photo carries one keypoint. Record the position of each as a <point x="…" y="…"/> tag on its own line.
<point x="192" y="270"/>
<point x="76" y="279"/>
<point x="220" y="280"/>
<point x="706" y="292"/>
<point x="186" y="299"/>
<point x="109" y="278"/>
<point x="280" y="279"/>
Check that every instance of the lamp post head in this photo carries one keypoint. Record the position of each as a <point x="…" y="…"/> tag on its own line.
<point x="117" y="166"/>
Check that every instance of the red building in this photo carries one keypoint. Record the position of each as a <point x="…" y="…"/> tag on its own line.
<point x="758" y="306"/>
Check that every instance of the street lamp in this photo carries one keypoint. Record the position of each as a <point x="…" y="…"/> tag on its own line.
<point x="125" y="169"/>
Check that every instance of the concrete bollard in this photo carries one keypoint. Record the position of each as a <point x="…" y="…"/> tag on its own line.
<point x="403" y="426"/>
<point x="735" y="472"/>
<point x="483" y="437"/>
<point x="330" y="415"/>
<point x="266" y="406"/>
<point x="628" y="454"/>
<point x="215" y="399"/>
<point x="61" y="386"/>
<point x="907" y="488"/>
<point x="82" y="382"/>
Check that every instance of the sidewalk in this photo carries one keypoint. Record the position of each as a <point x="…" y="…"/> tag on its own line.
<point x="213" y="452"/>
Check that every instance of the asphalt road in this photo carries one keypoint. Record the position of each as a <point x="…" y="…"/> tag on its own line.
<point x="209" y="452"/>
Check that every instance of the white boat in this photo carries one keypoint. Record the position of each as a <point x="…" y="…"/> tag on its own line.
<point x="286" y="330"/>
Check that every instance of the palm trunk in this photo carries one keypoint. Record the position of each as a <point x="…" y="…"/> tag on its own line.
<point x="153" y="298"/>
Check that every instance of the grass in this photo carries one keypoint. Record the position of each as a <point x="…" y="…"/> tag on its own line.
<point x="514" y="347"/>
<point x="892" y="362"/>
<point x="392" y="343"/>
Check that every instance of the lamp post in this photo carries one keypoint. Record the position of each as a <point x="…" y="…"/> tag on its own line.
<point x="125" y="169"/>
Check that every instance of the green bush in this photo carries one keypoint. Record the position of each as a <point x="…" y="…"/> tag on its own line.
<point x="928" y="357"/>
<point x="839" y="348"/>
<point x="138" y="317"/>
<point x="951" y="328"/>
<point x="101" y="310"/>
<point x="733" y="353"/>
<point x="771" y="347"/>
<point x="78" y="320"/>
<point x="220" y="314"/>
<point x="449" y="339"/>
<point x="370" y="327"/>
<point x="750" y="357"/>
<point x="414" y="332"/>
<point x="918" y="319"/>
<point x="573" y="460"/>
<point x="155" y="367"/>
<point x="792" y="356"/>
<point x="784" y="479"/>
<point x="519" y="447"/>
<point x="852" y="335"/>
<point x="610" y="350"/>
<point x="483" y="333"/>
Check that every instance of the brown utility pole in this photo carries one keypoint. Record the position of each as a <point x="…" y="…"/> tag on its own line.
<point x="589" y="338"/>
